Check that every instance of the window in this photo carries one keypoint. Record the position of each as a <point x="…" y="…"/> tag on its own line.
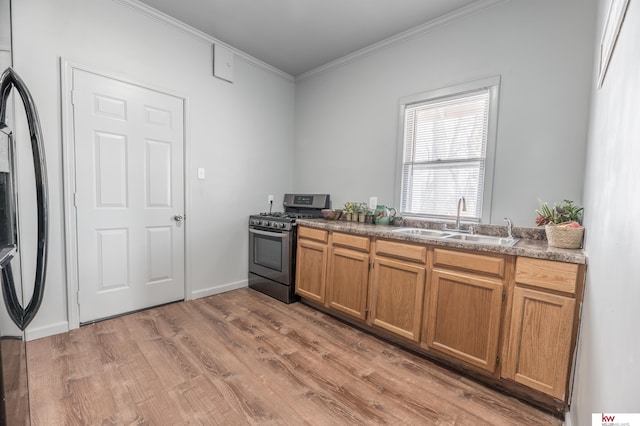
<point x="447" y="149"/>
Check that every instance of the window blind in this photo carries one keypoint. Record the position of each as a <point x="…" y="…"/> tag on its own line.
<point x="445" y="147"/>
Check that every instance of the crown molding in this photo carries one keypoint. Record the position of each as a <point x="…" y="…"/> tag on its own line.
<point x="198" y="35"/>
<point x="435" y="24"/>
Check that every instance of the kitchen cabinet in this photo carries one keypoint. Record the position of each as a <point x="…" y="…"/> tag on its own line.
<point x="543" y="324"/>
<point x="465" y="304"/>
<point x="312" y="254"/>
<point x="505" y="319"/>
<point x="348" y="276"/>
<point x="397" y="289"/>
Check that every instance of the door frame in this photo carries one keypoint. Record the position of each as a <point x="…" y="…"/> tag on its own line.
<point x="69" y="178"/>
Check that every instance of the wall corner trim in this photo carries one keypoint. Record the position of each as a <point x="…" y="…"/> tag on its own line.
<point x="435" y="24"/>
<point x="152" y="13"/>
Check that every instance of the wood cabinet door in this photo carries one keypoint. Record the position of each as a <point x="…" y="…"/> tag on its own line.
<point x="311" y="270"/>
<point x="464" y="317"/>
<point x="540" y="340"/>
<point x="347" y="282"/>
<point x="397" y="294"/>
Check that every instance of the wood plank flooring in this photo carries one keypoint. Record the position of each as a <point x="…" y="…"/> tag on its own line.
<point x="242" y="358"/>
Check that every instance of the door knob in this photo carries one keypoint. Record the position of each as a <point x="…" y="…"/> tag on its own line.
<point x="178" y="218"/>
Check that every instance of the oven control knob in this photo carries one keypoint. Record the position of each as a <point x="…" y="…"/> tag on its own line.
<point x="278" y="225"/>
<point x="265" y="223"/>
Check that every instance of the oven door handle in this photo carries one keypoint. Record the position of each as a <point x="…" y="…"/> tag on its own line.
<point x="268" y="233"/>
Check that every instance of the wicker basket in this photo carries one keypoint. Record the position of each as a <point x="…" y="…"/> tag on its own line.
<point x="564" y="237"/>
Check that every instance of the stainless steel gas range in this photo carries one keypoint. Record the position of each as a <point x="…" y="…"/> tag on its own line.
<point x="272" y="245"/>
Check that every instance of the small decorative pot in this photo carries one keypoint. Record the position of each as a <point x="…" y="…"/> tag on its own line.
<point x="564" y="237"/>
<point x="347" y="216"/>
<point x="368" y="218"/>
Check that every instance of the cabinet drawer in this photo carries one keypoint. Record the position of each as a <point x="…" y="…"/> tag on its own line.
<point x="402" y="251"/>
<point x="313" y="234"/>
<point x="492" y="265"/>
<point x="547" y="274"/>
<point x="352" y="241"/>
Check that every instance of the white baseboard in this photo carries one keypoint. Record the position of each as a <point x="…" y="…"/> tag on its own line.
<point x="219" y="289"/>
<point x="46" y="331"/>
<point x="567" y="419"/>
<point x="63" y="326"/>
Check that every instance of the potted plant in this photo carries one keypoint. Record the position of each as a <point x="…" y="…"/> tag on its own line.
<point x="361" y="209"/>
<point x="562" y="224"/>
<point x="349" y="210"/>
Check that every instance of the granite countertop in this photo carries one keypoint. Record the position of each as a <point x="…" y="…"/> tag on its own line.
<point x="532" y="242"/>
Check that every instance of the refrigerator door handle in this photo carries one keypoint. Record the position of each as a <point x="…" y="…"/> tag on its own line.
<point x="8" y="80"/>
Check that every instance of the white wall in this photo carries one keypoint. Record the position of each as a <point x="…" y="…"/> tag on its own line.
<point x="347" y="117"/>
<point x="608" y="366"/>
<point x="5" y="35"/>
<point x="241" y="133"/>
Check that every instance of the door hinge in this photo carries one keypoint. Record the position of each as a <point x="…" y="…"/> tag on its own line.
<point x="497" y="360"/>
<point x="504" y="295"/>
<point x="369" y="265"/>
<point x="73" y="97"/>
<point x="75" y="199"/>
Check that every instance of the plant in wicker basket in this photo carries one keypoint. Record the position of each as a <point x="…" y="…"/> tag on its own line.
<point x="563" y="224"/>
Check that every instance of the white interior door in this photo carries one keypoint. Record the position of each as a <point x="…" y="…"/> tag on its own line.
<point x="129" y="147"/>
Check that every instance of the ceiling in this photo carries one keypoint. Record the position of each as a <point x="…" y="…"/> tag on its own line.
<point x="297" y="36"/>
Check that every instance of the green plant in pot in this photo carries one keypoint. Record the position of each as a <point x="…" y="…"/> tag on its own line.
<point x="563" y="224"/>
<point x="349" y="210"/>
<point x="361" y="210"/>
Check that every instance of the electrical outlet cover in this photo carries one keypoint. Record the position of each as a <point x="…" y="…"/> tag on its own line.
<point x="373" y="202"/>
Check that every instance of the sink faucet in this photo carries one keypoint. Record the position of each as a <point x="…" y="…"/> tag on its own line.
<point x="462" y="202"/>
<point x="462" y="206"/>
<point x="509" y="228"/>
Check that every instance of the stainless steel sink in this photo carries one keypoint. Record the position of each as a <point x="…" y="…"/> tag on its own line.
<point x="455" y="236"/>
<point x="421" y="232"/>
<point x="484" y="239"/>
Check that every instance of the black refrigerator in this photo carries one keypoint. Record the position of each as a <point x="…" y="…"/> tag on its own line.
<point x="17" y="309"/>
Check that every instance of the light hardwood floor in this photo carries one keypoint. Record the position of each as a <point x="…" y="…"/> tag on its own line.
<point x="243" y="358"/>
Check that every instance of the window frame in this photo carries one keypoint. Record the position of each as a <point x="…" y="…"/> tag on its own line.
<point x="492" y="84"/>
